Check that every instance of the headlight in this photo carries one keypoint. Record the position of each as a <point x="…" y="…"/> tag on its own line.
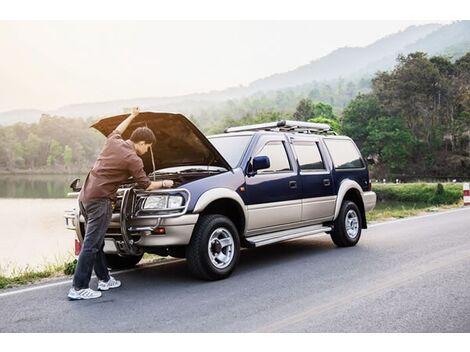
<point x="175" y="201"/>
<point x="163" y="202"/>
<point x="155" y="202"/>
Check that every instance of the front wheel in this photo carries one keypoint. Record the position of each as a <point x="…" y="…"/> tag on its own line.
<point x="347" y="227"/>
<point x="116" y="261"/>
<point x="214" y="249"/>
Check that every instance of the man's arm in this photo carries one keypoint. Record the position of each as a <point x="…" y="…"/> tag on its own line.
<point x="160" y="184"/>
<point x="124" y="124"/>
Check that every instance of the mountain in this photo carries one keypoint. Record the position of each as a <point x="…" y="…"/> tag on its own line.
<point x="344" y="63"/>
<point x="14" y="116"/>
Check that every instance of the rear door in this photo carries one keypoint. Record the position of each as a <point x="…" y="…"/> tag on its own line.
<point x="318" y="196"/>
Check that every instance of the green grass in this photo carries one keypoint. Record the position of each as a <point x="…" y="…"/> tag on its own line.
<point x="27" y="276"/>
<point x="403" y="200"/>
<point x="394" y="209"/>
<point x="424" y="193"/>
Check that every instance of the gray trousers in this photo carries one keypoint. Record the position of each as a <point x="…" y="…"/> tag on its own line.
<point x="97" y="215"/>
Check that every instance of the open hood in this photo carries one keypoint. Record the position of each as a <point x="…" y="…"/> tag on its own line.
<point x="179" y="142"/>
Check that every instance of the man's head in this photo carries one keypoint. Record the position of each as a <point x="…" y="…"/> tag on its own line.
<point x="142" y="138"/>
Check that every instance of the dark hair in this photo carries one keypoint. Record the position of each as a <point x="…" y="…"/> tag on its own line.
<point x="143" y="134"/>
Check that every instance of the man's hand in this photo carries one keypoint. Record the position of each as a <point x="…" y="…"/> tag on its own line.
<point x="135" y="111"/>
<point x="124" y="124"/>
<point x="160" y="184"/>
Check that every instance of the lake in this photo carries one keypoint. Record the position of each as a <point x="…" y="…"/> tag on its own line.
<point x="33" y="233"/>
<point x="36" y="186"/>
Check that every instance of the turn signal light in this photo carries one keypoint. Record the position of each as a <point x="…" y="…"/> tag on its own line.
<point x="78" y="247"/>
<point x="159" y="231"/>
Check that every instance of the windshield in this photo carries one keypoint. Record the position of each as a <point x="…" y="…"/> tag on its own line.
<point x="231" y="147"/>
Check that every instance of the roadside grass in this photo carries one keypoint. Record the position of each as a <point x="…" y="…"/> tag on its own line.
<point x="28" y="276"/>
<point x="404" y="200"/>
<point x="20" y="277"/>
<point x="398" y="210"/>
<point x="393" y="201"/>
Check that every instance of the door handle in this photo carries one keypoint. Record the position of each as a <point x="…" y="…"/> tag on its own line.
<point x="326" y="182"/>
<point x="292" y="184"/>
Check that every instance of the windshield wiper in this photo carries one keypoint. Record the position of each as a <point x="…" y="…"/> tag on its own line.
<point x="199" y="170"/>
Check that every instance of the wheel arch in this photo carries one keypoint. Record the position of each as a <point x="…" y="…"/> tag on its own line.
<point x="224" y="202"/>
<point x="350" y="190"/>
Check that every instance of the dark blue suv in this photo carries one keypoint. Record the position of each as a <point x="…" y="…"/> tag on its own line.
<point x="249" y="187"/>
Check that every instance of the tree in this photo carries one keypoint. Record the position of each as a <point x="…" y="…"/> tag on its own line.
<point x="304" y="110"/>
<point x="67" y="156"/>
<point x="55" y="153"/>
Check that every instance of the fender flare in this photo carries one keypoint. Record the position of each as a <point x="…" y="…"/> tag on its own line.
<point x="344" y="187"/>
<point x="218" y="193"/>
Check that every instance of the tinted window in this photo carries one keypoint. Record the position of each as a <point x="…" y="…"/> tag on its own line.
<point x="231" y="147"/>
<point x="309" y="156"/>
<point x="344" y="154"/>
<point x="277" y="155"/>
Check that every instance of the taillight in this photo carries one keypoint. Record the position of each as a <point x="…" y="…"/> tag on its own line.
<point x="369" y="186"/>
<point x="78" y="247"/>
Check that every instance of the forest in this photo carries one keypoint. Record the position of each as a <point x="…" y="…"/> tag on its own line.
<point x="413" y="120"/>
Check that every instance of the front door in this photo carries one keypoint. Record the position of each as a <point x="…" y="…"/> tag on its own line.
<point x="273" y="194"/>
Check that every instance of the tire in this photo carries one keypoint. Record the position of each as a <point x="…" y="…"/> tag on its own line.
<point x="347" y="227"/>
<point x="214" y="249"/>
<point x="116" y="261"/>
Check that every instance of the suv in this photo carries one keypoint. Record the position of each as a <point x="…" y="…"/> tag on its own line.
<point x="248" y="187"/>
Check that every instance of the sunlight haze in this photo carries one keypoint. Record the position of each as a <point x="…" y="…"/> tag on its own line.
<point x="47" y="64"/>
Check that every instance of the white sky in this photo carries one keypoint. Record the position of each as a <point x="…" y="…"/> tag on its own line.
<point x="47" y="64"/>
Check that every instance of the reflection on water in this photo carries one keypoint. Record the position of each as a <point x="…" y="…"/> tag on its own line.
<point x="36" y="186"/>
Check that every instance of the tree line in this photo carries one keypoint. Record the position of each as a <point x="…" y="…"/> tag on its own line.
<point x="414" y="120"/>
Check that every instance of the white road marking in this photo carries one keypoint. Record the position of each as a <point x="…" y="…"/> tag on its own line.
<point x="419" y="217"/>
<point x="69" y="282"/>
<point x="38" y="287"/>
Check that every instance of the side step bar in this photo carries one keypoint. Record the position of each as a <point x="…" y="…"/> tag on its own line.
<point x="262" y="240"/>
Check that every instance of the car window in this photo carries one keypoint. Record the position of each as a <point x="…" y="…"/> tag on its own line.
<point x="276" y="152"/>
<point x="309" y="156"/>
<point x="344" y="154"/>
<point x="231" y="147"/>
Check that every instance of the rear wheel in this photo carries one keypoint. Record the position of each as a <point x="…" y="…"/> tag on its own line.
<point x="116" y="261"/>
<point x="347" y="227"/>
<point x="214" y="249"/>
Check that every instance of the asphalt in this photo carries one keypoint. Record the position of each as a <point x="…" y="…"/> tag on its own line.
<point x="410" y="275"/>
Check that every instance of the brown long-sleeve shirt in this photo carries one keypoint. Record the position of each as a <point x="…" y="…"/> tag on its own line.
<point x="116" y="162"/>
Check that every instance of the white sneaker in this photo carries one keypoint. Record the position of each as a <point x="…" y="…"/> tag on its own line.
<point x="106" y="285"/>
<point x="85" y="293"/>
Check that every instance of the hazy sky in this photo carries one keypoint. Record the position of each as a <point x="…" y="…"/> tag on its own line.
<point x="45" y="65"/>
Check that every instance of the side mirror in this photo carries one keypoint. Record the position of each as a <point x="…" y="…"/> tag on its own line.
<point x="258" y="163"/>
<point x="74" y="185"/>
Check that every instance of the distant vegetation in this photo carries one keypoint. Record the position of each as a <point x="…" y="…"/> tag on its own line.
<point x="414" y="119"/>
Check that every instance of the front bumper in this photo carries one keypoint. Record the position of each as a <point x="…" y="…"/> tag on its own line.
<point x="132" y="234"/>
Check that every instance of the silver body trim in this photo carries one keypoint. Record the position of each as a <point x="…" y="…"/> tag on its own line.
<point x="269" y="215"/>
<point x="262" y="240"/>
<point x="370" y="200"/>
<point x="319" y="209"/>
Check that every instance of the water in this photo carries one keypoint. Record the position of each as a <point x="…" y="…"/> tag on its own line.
<point x="32" y="232"/>
<point x="36" y="186"/>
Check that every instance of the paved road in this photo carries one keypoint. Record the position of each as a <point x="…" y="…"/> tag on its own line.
<point x="410" y="275"/>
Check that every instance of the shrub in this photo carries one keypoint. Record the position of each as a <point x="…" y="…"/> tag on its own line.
<point x="420" y="193"/>
<point x="70" y="267"/>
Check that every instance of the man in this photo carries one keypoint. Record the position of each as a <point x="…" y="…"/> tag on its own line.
<point x="118" y="160"/>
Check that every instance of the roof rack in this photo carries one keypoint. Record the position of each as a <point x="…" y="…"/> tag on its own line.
<point x="284" y="126"/>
